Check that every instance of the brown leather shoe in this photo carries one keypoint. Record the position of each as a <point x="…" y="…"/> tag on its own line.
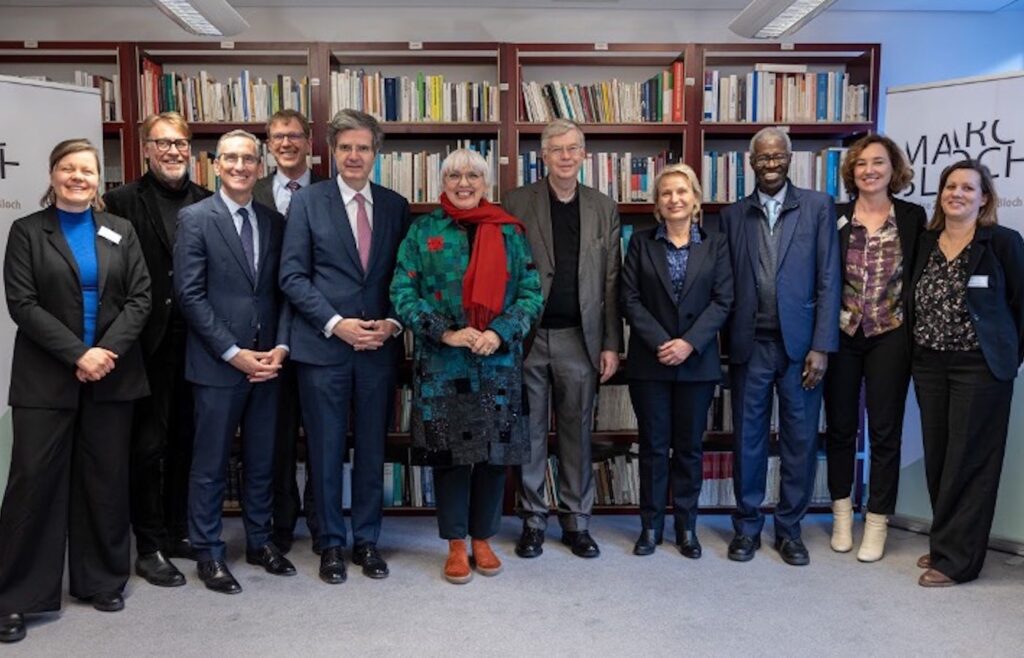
<point x="456" y="568"/>
<point x="487" y="563"/>
<point x="933" y="578"/>
<point x="925" y="561"/>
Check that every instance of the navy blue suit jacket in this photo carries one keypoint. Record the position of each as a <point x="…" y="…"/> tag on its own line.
<point x="649" y="305"/>
<point x="221" y="301"/>
<point x="322" y="276"/>
<point x="808" y="281"/>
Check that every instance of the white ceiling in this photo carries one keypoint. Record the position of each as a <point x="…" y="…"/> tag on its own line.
<point x="841" y="5"/>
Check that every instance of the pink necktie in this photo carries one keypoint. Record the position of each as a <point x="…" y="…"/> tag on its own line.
<point x="364" y="234"/>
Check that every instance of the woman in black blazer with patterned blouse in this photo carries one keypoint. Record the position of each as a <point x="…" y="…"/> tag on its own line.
<point x="676" y="293"/>
<point x="968" y="329"/>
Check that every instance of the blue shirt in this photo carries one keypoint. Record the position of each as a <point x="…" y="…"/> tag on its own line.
<point x="80" y="232"/>
<point x="678" y="257"/>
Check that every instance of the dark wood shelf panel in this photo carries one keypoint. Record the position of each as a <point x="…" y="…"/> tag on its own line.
<point x="632" y="130"/>
<point x="445" y="129"/>
<point x="745" y="129"/>
<point x="413" y="58"/>
<point x="636" y="209"/>
<point x="113" y="128"/>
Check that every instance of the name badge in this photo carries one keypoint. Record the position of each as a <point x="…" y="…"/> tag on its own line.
<point x="842" y="222"/>
<point x="978" y="281"/>
<point x="110" y="235"/>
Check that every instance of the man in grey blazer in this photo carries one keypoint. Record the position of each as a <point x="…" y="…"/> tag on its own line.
<point x="574" y="234"/>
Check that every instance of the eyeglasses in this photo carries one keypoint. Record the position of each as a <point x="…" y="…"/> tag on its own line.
<point x="770" y="158"/>
<point x="571" y="150"/>
<point x="277" y="138"/>
<point x="361" y="149"/>
<point x="472" y="177"/>
<point x="164" y="145"/>
<point x="231" y="159"/>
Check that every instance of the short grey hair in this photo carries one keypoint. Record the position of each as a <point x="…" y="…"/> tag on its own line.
<point x="461" y="159"/>
<point x="349" y="119"/>
<point x="559" y="127"/>
<point x="239" y="133"/>
<point x="770" y="132"/>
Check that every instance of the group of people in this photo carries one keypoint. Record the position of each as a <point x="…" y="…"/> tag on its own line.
<point x="156" y="320"/>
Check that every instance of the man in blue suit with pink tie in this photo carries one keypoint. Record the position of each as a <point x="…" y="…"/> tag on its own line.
<point x="340" y="244"/>
<point x="785" y="319"/>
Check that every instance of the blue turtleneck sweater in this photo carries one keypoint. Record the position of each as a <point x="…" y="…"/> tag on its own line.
<point x="80" y="232"/>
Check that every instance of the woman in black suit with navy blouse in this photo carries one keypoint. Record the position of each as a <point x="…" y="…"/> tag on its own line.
<point x="676" y="293"/>
<point x="968" y="329"/>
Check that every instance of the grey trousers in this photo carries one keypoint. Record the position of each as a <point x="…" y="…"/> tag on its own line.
<point x="558" y="365"/>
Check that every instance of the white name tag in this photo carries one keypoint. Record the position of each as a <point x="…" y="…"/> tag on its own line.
<point x="978" y="281"/>
<point x="110" y="235"/>
<point x="842" y="222"/>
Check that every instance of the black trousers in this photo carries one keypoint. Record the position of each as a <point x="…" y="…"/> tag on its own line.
<point x="965" y="412"/>
<point x="161" y="449"/>
<point x="68" y="485"/>
<point x="288" y="503"/>
<point x="882" y="363"/>
<point x="670" y="414"/>
<point x="469" y="500"/>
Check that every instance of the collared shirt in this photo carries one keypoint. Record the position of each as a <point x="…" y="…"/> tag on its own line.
<point x="282" y="195"/>
<point x="677" y="257"/>
<point x="873" y="279"/>
<point x="237" y="219"/>
<point x="943" y="322"/>
<point x="348" y="197"/>
<point x="779" y="196"/>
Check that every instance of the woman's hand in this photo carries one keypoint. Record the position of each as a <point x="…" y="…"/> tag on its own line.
<point x="95" y="364"/>
<point x="465" y="337"/>
<point x="487" y="343"/>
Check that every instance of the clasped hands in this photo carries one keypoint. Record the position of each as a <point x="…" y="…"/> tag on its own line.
<point x="673" y="352"/>
<point x="259" y="366"/>
<point x="481" y="343"/>
<point x="95" y="364"/>
<point x="364" y="334"/>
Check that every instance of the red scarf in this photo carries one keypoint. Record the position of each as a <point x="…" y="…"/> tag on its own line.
<point x="483" y="284"/>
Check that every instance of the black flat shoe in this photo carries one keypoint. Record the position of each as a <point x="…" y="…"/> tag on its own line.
<point x="645" y="544"/>
<point x="216" y="576"/>
<point x="792" y="551"/>
<point x="158" y="570"/>
<point x="689" y="545"/>
<point x="743" y="547"/>
<point x="12" y="627"/>
<point x="368" y="557"/>
<point x="332" y="566"/>
<point x="270" y="558"/>
<point x="581" y="543"/>
<point x="108" y="601"/>
<point x="531" y="542"/>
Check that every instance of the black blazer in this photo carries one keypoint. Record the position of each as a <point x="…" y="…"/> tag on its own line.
<point x="44" y="297"/>
<point x="995" y="293"/>
<point x="910" y="224"/>
<point x="263" y="192"/>
<point x="654" y="316"/>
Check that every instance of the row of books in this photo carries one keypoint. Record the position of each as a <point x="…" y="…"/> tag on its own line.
<point x="625" y="177"/>
<point x="417" y="175"/>
<point x="656" y="100"/>
<point x="202" y="98"/>
<point x="424" y="98"/>
<point x="201" y="172"/>
<point x="728" y="176"/>
<point x="766" y="95"/>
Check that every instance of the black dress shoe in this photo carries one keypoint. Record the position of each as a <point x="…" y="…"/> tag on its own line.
<point x="180" y="547"/>
<point x="743" y="547"/>
<point x="107" y="601"/>
<point x="12" y="627"/>
<point x="270" y="558"/>
<point x="581" y="543"/>
<point x="215" y="574"/>
<point x="332" y="566"/>
<point x="792" y="551"/>
<point x="649" y="538"/>
<point x="531" y="542"/>
<point x="283" y="541"/>
<point x="368" y="557"/>
<point x="158" y="570"/>
<point x="316" y="546"/>
<point x="688" y="544"/>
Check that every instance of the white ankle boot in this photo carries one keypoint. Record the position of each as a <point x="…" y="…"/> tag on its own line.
<point x="842" y="525"/>
<point x="876" y="527"/>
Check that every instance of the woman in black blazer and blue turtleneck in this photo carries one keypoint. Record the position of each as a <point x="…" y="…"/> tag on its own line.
<point x="968" y="328"/>
<point x="78" y="290"/>
<point x="676" y="293"/>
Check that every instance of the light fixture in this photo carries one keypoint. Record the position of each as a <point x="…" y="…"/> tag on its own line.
<point x="206" y="18"/>
<point x="771" y="19"/>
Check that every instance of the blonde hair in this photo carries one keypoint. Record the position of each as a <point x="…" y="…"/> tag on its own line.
<point x="63" y="150"/>
<point x="172" y="118"/>
<point x="679" y="170"/>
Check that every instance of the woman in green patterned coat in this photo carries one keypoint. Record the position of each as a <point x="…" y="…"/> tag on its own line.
<point x="465" y="284"/>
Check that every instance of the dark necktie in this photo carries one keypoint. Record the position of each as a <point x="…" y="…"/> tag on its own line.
<point x="247" y="242"/>
<point x="293" y="185"/>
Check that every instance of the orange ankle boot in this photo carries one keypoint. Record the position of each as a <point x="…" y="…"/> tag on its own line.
<point x="456" y="568"/>
<point x="487" y="563"/>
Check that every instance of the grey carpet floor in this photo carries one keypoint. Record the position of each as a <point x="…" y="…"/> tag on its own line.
<point x="558" y="604"/>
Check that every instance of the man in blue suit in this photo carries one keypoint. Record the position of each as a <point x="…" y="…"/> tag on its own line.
<point x="340" y="244"/>
<point x="785" y="257"/>
<point x="225" y="276"/>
